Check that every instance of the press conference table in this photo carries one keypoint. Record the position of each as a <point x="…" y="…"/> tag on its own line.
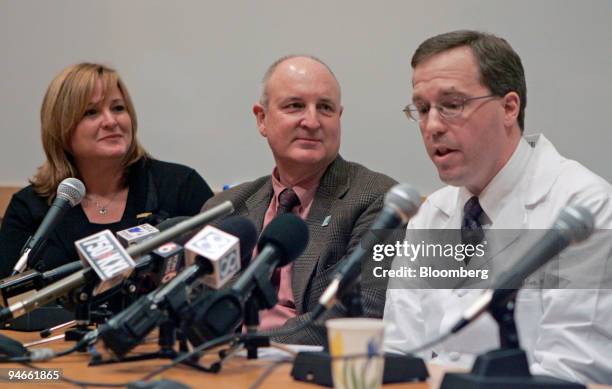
<point x="238" y="372"/>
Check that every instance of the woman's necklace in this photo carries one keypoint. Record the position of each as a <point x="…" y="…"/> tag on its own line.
<point x="103" y="208"/>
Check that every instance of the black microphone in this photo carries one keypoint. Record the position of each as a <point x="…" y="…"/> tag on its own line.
<point x="171" y="261"/>
<point x="12" y="287"/>
<point x="70" y="192"/>
<point x="283" y="240"/>
<point x="574" y="224"/>
<point x="65" y="285"/>
<point x="126" y="330"/>
<point x="401" y="203"/>
<point x="20" y="283"/>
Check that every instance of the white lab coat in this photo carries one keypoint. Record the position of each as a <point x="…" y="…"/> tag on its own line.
<point x="566" y="333"/>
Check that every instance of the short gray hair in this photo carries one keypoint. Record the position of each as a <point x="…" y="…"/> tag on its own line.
<point x="264" y="98"/>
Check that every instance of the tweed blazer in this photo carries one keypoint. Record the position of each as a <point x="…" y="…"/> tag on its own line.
<point x="346" y="203"/>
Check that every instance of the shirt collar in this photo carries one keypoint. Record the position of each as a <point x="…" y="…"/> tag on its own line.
<point x="493" y="197"/>
<point x="305" y="190"/>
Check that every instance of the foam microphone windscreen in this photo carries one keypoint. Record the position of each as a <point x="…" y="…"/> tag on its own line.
<point x="288" y="234"/>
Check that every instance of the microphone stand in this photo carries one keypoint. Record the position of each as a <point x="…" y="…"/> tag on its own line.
<point x="251" y="322"/>
<point x="169" y="333"/>
<point x="264" y="296"/>
<point x="83" y="299"/>
<point x="84" y="315"/>
<point x="168" y="336"/>
<point x="506" y="367"/>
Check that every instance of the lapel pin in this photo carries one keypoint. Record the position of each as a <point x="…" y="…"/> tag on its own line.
<point x="326" y="221"/>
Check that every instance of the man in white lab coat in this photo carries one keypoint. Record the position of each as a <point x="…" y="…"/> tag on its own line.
<point x="469" y="99"/>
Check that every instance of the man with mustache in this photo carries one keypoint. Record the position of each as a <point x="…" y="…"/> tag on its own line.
<point x="299" y="114"/>
<point x="469" y="98"/>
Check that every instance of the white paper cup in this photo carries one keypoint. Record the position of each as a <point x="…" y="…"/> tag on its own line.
<point x="363" y="339"/>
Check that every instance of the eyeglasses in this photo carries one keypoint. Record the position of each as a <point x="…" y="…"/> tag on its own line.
<point x="448" y="107"/>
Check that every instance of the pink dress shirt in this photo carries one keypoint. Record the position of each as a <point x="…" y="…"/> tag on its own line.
<point x="285" y="308"/>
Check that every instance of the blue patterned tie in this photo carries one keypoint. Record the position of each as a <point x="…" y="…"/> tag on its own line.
<point x="471" y="229"/>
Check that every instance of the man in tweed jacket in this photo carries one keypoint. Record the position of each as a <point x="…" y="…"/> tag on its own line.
<point x="299" y="114"/>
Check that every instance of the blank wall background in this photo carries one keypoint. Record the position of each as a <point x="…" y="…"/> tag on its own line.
<point x="193" y="69"/>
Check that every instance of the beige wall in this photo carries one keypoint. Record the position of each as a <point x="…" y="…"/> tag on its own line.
<point x="6" y="192"/>
<point x="193" y="68"/>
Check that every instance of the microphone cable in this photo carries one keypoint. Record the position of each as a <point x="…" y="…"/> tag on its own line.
<point x="45" y="354"/>
<point x="223" y="340"/>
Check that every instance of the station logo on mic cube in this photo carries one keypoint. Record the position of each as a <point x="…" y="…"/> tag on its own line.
<point x="222" y="250"/>
<point x="135" y="235"/>
<point x="172" y="261"/>
<point x="103" y="253"/>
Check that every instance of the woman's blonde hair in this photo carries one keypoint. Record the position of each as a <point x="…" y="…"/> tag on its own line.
<point x="63" y="107"/>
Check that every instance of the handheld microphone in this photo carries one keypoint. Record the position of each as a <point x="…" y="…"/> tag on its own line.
<point x="127" y="329"/>
<point x="70" y="192"/>
<point x="574" y="224"/>
<point x="401" y="203"/>
<point x="65" y="285"/>
<point x="283" y="240"/>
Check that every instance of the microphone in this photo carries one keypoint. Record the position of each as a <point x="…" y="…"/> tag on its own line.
<point x="283" y="240"/>
<point x="401" y="203"/>
<point x="70" y="192"/>
<point x="220" y="249"/>
<point x="63" y="286"/>
<point x="137" y="234"/>
<point x="127" y="329"/>
<point x="103" y="253"/>
<point x="13" y="286"/>
<point x="162" y="264"/>
<point x="172" y="260"/>
<point x="181" y="228"/>
<point x="19" y="283"/>
<point x="574" y="224"/>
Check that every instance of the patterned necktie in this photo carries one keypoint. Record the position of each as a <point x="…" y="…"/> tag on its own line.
<point x="471" y="229"/>
<point x="287" y="200"/>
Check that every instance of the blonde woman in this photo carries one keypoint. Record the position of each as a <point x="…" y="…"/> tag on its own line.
<point x="89" y="132"/>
